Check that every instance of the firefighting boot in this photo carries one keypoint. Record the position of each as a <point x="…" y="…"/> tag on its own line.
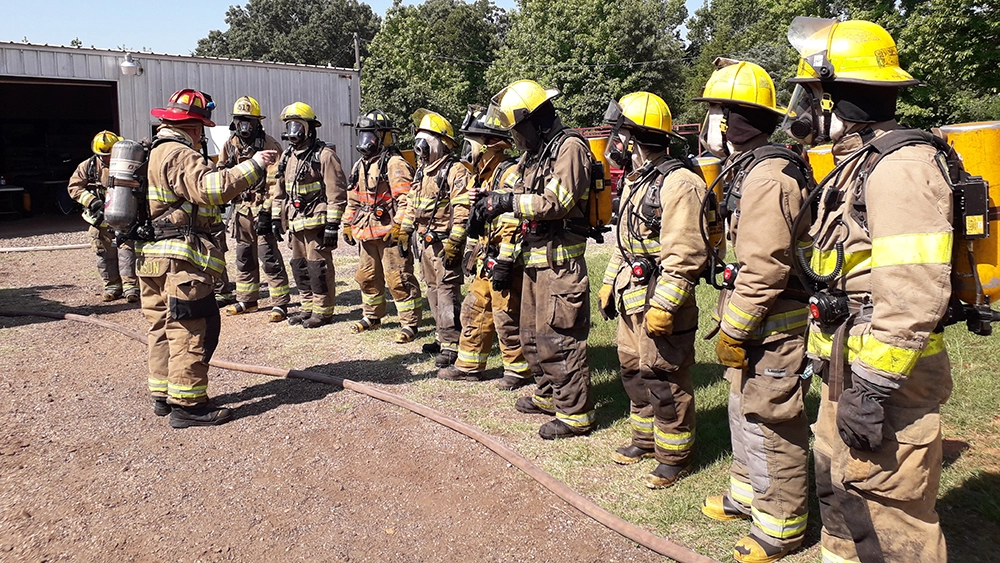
<point x="132" y="296"/>
<point x="239" y="308"/>
<point x="316" y="321"/>
<point x="752" y="549"/>
<point x="406" y="334"/>
<point x="298" y="317"/>
<point x="557" y="430"/>
<point x="161" y="407"/>
<point x="528" y="406"/>
<point x="665" y="476"/>
<point x="225" y="298"/>
<point x="627" y="455"/>
<point x="366" y="324"/>
<point x="111" y="294"/>
<point x="278" y="313"/>
<point x="720" y="507"/>
<point x="454" y="373"/>
<point x="512" y="381"/>
<point x="202" y="414"/>
<point x="431" y="347"/>
<point x="446" y="358"/>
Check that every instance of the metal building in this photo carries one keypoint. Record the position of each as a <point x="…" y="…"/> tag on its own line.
<point x="53" y="99"/>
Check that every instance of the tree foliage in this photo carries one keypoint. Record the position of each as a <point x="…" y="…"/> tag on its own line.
<point x="594" y="51"/>
<point x="316" y="32"/>
<point x="432" y="55"/>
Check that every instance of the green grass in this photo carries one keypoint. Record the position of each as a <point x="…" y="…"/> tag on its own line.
<point x="969" y="503"/>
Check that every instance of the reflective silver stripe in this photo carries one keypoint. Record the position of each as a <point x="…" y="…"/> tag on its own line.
<point x="642" y="425"/>
<point x="675" y="442"/>
<point x="781" y="322"/>
<point x="778" y="527"/>
<point x="740" y="491"/>
<point x="577" y="420"/>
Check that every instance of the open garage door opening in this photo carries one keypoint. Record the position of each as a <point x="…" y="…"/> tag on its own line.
<point x="46" y="127"/>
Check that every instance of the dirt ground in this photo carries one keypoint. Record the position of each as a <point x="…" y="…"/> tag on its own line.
<point x="306" y="472"/>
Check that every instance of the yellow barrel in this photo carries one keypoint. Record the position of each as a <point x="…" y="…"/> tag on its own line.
<point x="709" y="168"/>
<point x="821" y="161"/>
<point x="979" y="146"/>
<point x="600" y="214"/>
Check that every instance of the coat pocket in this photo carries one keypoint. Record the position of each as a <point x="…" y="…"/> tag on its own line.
<point x="569" y="310"/>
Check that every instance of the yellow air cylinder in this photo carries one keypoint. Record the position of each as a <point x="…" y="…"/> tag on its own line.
<point x="600" y="214"/>
<point x="979" y="146"/>
<point x="709" y="168"/>
<point x="410" y="157"/>
<point x="821" y="161"/>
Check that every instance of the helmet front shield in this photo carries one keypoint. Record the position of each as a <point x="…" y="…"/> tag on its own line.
<point x="811" y="37"/>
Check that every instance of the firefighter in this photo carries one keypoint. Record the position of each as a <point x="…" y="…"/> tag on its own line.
<point x="493" y="303"/>
<point x="310" y="197"/>
<point x="881" y="263"/>
<point x="376" y="204"/>
<point x="554" y="176"/>
<point x="650" y="282"/>
<point x="178" y="268"/>
<point x="88" y="187"/>
<point x="251" y="223"/>
<point x="436" y="215"/>
<point x="761" y="313"/>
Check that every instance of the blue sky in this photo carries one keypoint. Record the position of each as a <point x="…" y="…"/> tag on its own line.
<point x="172" y="27"/>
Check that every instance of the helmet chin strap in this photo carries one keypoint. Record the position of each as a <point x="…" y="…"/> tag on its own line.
<point x="823" y="106"/>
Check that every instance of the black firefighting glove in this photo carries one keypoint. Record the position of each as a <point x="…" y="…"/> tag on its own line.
<point x="331" y="235"/>
<point x="859" y="412"/>
<point x="501" y="275"/>
<point x="263" y="226"/>
<point x="475" y="227"/>
<point x="495" y="204"/>
<point x="276" y="229"/>
<point x="96" y="207"/>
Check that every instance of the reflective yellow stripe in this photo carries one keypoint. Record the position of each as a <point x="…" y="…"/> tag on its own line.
<point x="461" y="199"/>
<point x="372" y="300"/>
<point x="472" y="357"/>
<point x="563" y="194"/>
<point x="821" y="344"/>
<point x="307" y="222"/>
<point x="924" y="248"/>
<point x="646" y="246"/>
<point x="641" y="424"/>
<point x="740" y="318"/>
<point x="676" y="442"/>
<point x="824" y="261"/>
<point x="457" y="233"/>
<point x="740" y="491"/>
<point x="86" y="197"/>
<point x="306" y="189"/>
<point x="247" y="287"/>
<point x="279" y="291"/>
<point x="782" y="322"/>
<point x="306" y="307"/>
<point x="334" y="215"/>
<point x="546" y="403"/>
<point x="155" y="193"/>
<point x="516" y="367"/>
<point x="187" y="391"/>
<point x="323" y="311"/>
<point x="524" y="204"/>
<point x="830" y="557"/>
<point x="611" y="272"/>
<point x="509" y="250"/>
<point x="779" y="528"/>
<point x="453" y="346"/>
<point x="577" y="420"/>
<point x="157" y="385"/>
<point x="407" y="305"/>
<point x="181" y="250"/>
<point x="560" y="253"/>
<point x="669" y="292"/>
<point x="634" y="299"/>
<point x="893" y="359"/>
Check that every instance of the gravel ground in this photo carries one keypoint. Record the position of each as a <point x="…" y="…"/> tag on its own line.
<point x="306" y="472"/>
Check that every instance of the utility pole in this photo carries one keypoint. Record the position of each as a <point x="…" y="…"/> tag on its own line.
<point x="357" y="52"/>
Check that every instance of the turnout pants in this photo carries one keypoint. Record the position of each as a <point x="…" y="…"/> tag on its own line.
<point x="380" y="264"/>
<point x="555" y="323"/>
<point x="486" y="311"/>
<point x="879" y="507"/>
<point x="312" y="267"/>
<point x="249" y="249"/>
<point x="184" y="329"/>
<point x="768" y="478"/>
<point x="444" y="293"/>
<point x="115" y="264"/>
<point x="656" y="374"/>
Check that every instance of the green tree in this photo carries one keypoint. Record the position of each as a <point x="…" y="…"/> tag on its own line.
<point x="594" y="51"/>
<point x="432" y="55"/>
<point x="316" y="32"/>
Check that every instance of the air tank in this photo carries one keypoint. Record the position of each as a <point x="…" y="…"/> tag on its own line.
<point x="709" y="168"/>
<point x="821" y="161"/>
<point x="121" y="205"/>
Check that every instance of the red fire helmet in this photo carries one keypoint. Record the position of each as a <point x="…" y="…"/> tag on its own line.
<point x="185" y="105"/>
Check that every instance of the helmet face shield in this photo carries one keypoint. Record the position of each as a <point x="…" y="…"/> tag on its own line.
<point x="811" y="38"/>
<point x="618" y="149"/>
<point x="296" y="132"/>
<point x="499" y="119"/>
<point x="369" y="143"/>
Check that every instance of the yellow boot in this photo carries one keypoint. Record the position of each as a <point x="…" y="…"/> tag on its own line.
<point x="719" y="507"/>
<point x="750" y="549"/>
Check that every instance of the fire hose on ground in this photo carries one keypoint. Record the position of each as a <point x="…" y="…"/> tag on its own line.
<point x="43" y="248"/>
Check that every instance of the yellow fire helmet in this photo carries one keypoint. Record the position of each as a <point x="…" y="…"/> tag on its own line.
<point x="103" y="141"/>
<point x="741" y="83"/>
<point x="433" y="122"/>
<point x="517" y="101"/>
<point x="646" y="111"/>
<point x="299" y="110"/>
<point x="852" y="51"/>
<point x="247" y="107"/>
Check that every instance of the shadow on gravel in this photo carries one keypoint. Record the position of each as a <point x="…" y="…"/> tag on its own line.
<point x="274" y="393"/>
<point x="393" y="370"/>
<point x="970" y="518"/>
<point x="31" y="299"/>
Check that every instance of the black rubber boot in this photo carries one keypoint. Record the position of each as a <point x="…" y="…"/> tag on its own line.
<point x="431" y="348"/>
<point x="627" y="455"/>
<point x="557" y="430"/>
<point x="512" y="381"/>
<point x="527" y="406"/>
<point x="161" y="407"/>
<point x="298" y="317"/>
<point x="453" y="373"/>
<point x="202" y="414"/>
<point x="316" y="321"/>
<point x="446" y="358"/>
<point x="665" y="476"/>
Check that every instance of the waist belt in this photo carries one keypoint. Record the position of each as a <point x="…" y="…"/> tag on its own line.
<point x="163" y="230"/>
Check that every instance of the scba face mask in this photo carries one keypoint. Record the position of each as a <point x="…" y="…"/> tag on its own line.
<point x="296" y="132"/>
<point x="620" y="147"/>
<point x="810" y="115"/>
<point x="428" y="147"/>
<point x="369" y="143"/>
<point x="246" y="128"/>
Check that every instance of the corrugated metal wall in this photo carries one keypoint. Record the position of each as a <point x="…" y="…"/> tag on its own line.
<point x="333" y="93"/>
